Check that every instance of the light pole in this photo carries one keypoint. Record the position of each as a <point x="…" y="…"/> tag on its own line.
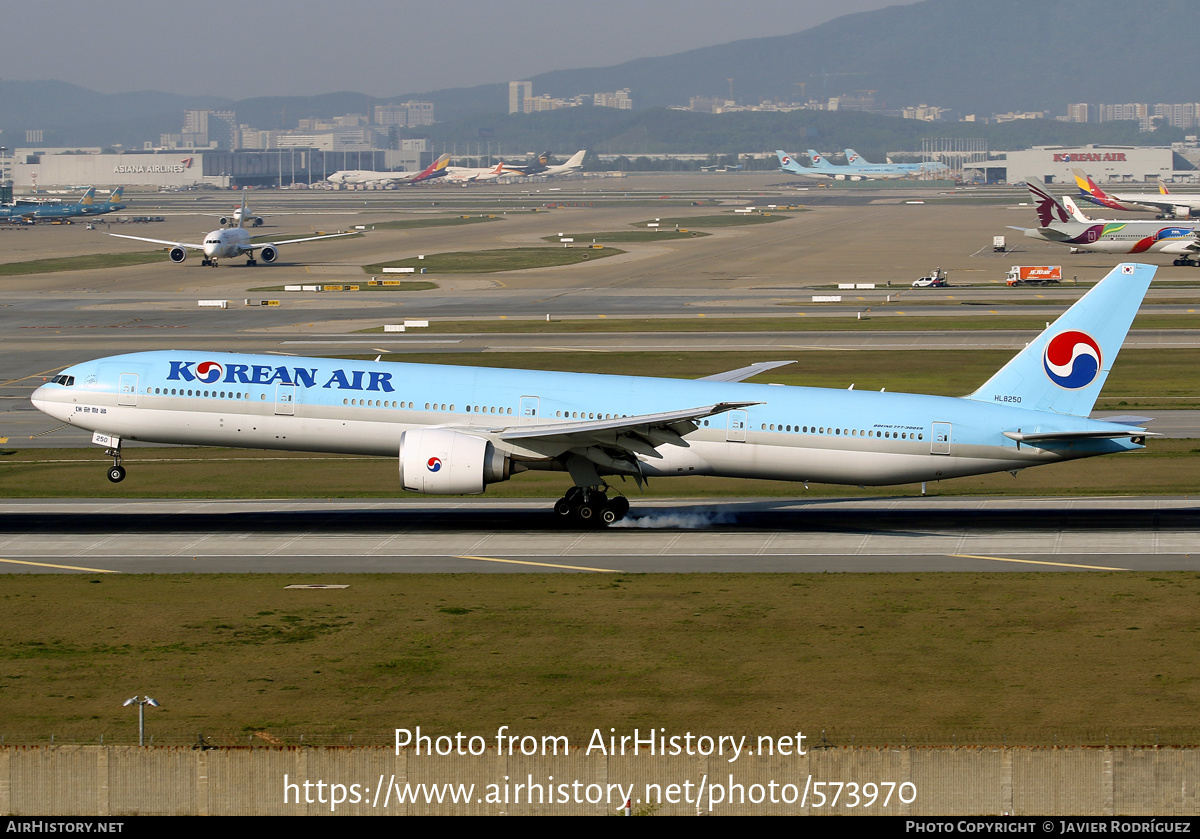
<point x="141" y="703"/>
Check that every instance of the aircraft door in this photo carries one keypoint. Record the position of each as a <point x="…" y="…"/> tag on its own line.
<point x="941" y="438"/>
<point x="530" y="410"/>
<point x="285" y="399"/>
<point x="736" y="431"/>
<point x="127" y="389"/>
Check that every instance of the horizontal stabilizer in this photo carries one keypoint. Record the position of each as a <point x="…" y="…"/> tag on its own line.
<point x="1093" y="434"/>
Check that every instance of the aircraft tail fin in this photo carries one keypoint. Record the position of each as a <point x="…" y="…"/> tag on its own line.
<point x="1064" y="368"/>
<point x="818" y="160"/>
<point x="88" y="197"/>
<point x="785" y="161"/>
<point x="1074" y="210"/>
<point x="576" y="159"/>
<point x="116" y="195"/>
<point x="1049" y="208"/>
<point x="1162" y="188"/>
<point x="242" y="214"/>
<point x="853" y="158"/>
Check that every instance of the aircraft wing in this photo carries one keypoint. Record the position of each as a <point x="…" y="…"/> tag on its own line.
<point x="159" y="241"/>
<point x="743" y="373"/>
<point x="632" y="435"/>
<point x="257" y="245"/>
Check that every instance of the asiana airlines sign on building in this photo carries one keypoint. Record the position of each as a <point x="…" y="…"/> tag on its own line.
<point x="110" y="170"/>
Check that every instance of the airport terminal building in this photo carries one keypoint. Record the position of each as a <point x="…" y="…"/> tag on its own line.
<point x="176" y="169"/>
<point x="1105" y="164"/>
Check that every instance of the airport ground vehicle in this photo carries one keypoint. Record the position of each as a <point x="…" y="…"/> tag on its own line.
<point x="937" y="279"/>
<point x="1034" y="275"/>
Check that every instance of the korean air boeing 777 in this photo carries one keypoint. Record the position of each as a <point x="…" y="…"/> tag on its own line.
<point x="453" y="430"/>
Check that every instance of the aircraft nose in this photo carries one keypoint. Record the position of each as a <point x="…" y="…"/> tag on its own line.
<point x="39" y="399"/>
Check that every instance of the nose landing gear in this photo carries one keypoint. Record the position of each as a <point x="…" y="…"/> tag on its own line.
<point x="116" y="472"/>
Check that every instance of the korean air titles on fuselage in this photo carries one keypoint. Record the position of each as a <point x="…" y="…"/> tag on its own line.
<point x="211" y="372"/>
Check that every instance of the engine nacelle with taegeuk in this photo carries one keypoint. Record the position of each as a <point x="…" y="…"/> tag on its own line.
<point x="439" y="461"/>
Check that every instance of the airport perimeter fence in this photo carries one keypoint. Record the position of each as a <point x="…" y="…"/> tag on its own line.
<point x="129" y="780"/>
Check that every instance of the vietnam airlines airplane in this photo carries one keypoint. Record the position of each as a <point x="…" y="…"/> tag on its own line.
<point x="453" y="430"/>
<point x="112" y="205"/>
<point x="47" y="212"/>
<point x="229" y="242"/>
<point x="1064" y="226"/>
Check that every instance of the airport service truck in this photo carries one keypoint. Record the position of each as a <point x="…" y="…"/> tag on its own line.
<point x="1034" y="275"/>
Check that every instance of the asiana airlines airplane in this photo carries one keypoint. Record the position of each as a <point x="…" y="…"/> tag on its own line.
<point x="454" y="430"/>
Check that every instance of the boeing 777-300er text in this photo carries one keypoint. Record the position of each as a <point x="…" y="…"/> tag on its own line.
<point x="364" y="176"/>
<point x="1063" y="226"/>
<point x="229" y="243"/>
<point x="453" y="430"/>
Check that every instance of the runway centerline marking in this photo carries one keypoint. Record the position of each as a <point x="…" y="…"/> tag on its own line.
<point x="1038" y="562"/>
<point x="542" y="564"/>
<point x="62" y="567"/>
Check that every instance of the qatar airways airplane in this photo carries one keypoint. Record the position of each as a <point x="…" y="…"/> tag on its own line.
<point x="453" y="430"/>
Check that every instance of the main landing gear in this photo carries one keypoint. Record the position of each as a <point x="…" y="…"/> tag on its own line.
<point x="590" y="506"/>
<point x="1183" y="260"/>
<point x="116" y="472"/>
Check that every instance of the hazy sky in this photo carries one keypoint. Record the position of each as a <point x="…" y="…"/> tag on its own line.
<point x="242" y="48"/>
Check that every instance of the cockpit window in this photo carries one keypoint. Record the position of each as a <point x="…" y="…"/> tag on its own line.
<point x="65" y="381"/>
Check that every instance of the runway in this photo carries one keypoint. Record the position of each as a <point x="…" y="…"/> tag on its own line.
<point x="306" y="542"/>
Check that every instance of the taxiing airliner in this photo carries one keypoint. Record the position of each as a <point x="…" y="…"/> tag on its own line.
<point x="229" y="243"/>
<point x="454" y="430"/>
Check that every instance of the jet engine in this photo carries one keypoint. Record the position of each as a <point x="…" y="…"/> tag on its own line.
<point x="1182" y="212"/>
<point x="439" y="461"/>
<point x="226" y="221"/>
<point x="268" y="254"/>
<point x="177" y="254"/>
<point x="255" y="221"/>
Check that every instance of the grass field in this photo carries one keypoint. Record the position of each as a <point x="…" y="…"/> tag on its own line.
<point x="79" y="263"/>
<point x="1164" y="467"/>
<point x="723" y="220"/>
<point x="1034" y="658"/>
<point x="705" y="323"/>
<point x="491" y="261"/>
<point x="629" y="236"/>
<point x="432" y="221"/>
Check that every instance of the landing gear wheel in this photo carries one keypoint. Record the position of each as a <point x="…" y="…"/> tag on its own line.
<point x="618" y="507"/>
<point x="562" y="508"/>
<point x="116" y="474"/>
<point x="252" y="262"/>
